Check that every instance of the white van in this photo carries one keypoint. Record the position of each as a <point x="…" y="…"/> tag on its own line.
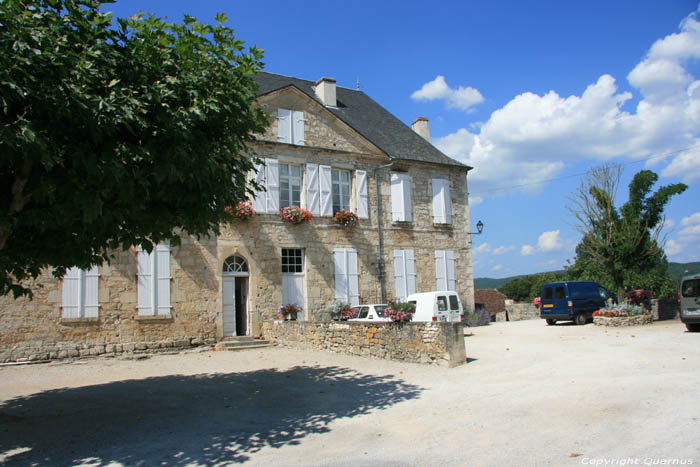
<point x="437" y="307"/>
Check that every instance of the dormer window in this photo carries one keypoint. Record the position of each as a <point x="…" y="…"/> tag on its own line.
<point x="290" y="126"/>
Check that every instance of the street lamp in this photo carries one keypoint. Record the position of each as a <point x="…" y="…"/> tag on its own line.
<point x="479" y="228"/>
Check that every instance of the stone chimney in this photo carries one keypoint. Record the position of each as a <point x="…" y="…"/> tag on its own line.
<point x="325" y="90"/>
<point x="420" y="126"/>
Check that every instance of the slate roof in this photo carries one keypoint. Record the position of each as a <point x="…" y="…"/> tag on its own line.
<point x="368" y="118"/>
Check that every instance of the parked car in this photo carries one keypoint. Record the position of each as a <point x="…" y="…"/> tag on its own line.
<point x="573" y="301"/>
<point x="444" y="306"/>
<point x="689" y="301"/>
<point x="373" y="312"/>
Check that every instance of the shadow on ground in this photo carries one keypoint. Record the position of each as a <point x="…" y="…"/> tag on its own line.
<point x="188" y="420"/>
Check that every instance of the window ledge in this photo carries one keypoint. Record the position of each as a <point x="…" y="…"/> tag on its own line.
<point x="154" y="318"/>
<point x="69" y="321"/>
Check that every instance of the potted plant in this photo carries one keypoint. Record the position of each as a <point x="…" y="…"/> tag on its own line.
<point x="243" y="211"/>
<point x="289" y="311"/>
<point x="295" y="215"/>
<point x="340" y="310"/>
<point x="400" y="312"/>
<point x="346" y="218"/>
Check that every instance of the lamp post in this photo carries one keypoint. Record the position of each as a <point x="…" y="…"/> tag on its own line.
<point x="479" y="228"/>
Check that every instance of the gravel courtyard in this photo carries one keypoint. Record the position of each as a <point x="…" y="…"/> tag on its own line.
<point x="531" y="394"/>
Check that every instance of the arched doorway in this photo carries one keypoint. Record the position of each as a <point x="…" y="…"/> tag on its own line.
<point x="235" y="296"/>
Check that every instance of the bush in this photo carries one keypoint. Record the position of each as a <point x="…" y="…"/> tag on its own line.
<point x="624" y="309"/>
<point x="340" y="310"/>
<point x="478" y="317"/>
<point x="400" y="312"/>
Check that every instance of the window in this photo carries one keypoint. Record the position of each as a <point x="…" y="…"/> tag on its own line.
<point x="547" y="295"/>
<point x="401" y="198"/>
<point x="292" y="260"/>
<point x="559" y="292"/>
<point x="346" y="275"/>
<point x="328" y="190"/>
<point x="442" y="203"/>
<point x="290" y="126"/>
<point x="442" y="303"/>
<point x="154" y="281"/>
<point x="362" y="312"/>
<point x="380" y="310"/>
<point x="290" y="185"/>
<point x="293" y="278"/>
<point x="80" y="293"/>
<point x="341" y="190"/>
<point x="404" y="273"/>
<point x="454" y="303"/>
<point x="690" y="288"/>
<point x="445" y="270"/>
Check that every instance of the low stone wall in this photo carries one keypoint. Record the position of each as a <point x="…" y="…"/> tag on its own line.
<point x="435" y="343"/>
<point x="664" y="308"/>
<point x="618" y="321"/>
<point x="518" y="312"/>
<point x="43" y="351"/>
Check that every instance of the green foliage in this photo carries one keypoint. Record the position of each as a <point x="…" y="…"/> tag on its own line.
<point x="620" y="248"/>
<point x="526" y="288"/>
<point x="112" y="137"/>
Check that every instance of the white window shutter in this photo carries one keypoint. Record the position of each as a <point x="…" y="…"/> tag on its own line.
<point x="450" y="270"/>
<point x="362" y="197"/>
<point x="407" y="204"/>
<point x="340" y="274"/>
<point x="162" y="275"/>
<point x="145" y="283"/>
<point x="293" y="290"/>
<point x="325" y="183"/>
<point x="397" y="211"/>
<point x="448" y="202"/>
<point x="71" y="293"/>
<point x="298" y="128"/>
<point x="312" y="200"/>
<point x="440" y="271"/>
<point x="92" y="301"/>
<point x="284" y="126"/>
<point x="273" y="185"/>
<point x="353" y="277"/>
<point x="438" y="201"/>
<point x="410" y="272"/>
<point x="400" y="274"/>
<point x="259" y="203"/>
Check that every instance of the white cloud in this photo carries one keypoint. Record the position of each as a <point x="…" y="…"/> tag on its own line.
<point x="483" y="248"/>
<point x="673" y="248"/>
<point x="549" y="241"/>
<point x="461" y="98"/>
<point x="527" y="250"/>
<point x="475" y="200"/>
<point x="687" y="239"/>
<point x="528" y="138"/>
<point x="692" y="219"/>
<point x="503" y="249"/>
<point x="497" y="267"/>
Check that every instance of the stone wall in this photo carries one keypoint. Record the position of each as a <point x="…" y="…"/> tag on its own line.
<point x="435" y="343"/>
<point x="520" y="312"/>
<point x="618" y="321"/>
<point x="664" y="308"/>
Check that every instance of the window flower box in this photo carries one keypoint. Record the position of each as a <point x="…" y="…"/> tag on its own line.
<point x="295" y="215"/>
<point x="346" y="218"/>
<point x="243" y="211"/>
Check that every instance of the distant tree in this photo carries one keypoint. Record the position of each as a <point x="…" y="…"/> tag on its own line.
<point x="621" y="244"/>
<point x="526" y="288"/>
<point x="115" y="136"/>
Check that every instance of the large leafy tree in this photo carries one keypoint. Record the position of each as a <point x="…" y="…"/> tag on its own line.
<point x="621" y="246"/>
<point x="115" y="135"/>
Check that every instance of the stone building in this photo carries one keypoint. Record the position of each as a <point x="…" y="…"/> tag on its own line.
<point x="492" y="301"/>
<point x="327" y="148"/>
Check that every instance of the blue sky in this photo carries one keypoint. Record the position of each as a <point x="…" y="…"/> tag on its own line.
<point x="531" y="94"/>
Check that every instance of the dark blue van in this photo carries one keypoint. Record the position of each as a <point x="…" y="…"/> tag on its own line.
<point x="572" y="301"/>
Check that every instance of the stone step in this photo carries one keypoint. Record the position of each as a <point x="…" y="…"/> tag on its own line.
<point x="241" y="343"/>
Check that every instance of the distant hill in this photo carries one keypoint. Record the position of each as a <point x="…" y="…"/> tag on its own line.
<point x="675" y="269"/>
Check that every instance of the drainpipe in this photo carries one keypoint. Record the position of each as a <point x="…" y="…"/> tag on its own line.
<point x="380" y="235"/>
